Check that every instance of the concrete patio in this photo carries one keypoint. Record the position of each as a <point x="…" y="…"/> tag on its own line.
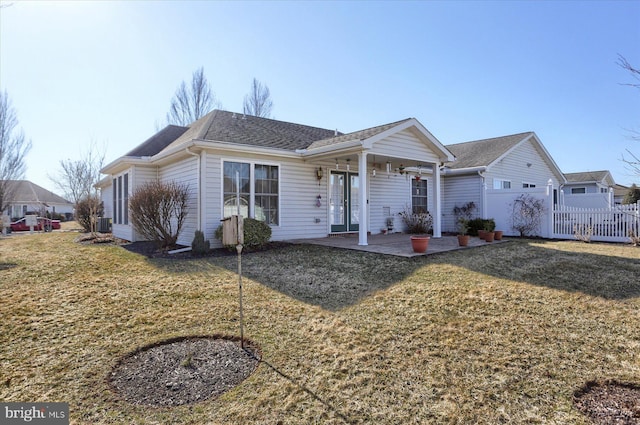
<point x="394" y="244"/>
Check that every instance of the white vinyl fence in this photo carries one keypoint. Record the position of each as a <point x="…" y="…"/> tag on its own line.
<point x="603" y="224"/>
<point x="610" y="223"/>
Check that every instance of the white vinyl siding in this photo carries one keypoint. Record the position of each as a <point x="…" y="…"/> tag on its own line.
<point x="523" y="164"/>
<point x="399" y="144"/>
<point x="458" y="191"/>
<point x="185" y="172"/>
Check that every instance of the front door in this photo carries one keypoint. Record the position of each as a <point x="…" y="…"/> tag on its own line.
<point x="344" y="209"/>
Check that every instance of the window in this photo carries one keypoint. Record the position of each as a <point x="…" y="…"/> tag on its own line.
<point x="577" y="190"/>
<point x="501" y="184"/>
<point x="603" y="190"/>
<point x="419" y="196"/>
<point x="120" y="199"/>
<point x="528" y="185"/>
<point x="259" y="192"/>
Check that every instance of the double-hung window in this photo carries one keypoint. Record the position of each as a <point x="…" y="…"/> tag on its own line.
<point x="259" y="191"/>
<point x="501" y="184"/>
<point x="419" y="196"/>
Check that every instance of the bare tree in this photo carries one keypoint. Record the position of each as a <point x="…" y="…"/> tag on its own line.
<point x="633" y="161"/>
<point x="76" y="178"/>
<point x="13" y="150"/>
<point x="258" y="102"/>
<point x="192" y="102"/>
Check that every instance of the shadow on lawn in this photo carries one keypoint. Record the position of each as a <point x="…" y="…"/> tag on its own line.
<point x="604" y="276"/>
<point x="331" y="278"/>
<point x="335" y="278"/>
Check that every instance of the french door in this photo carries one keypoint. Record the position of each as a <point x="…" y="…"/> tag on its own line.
<point x="344" y="209"/>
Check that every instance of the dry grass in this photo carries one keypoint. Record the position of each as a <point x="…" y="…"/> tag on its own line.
<point x="499" y="334"/>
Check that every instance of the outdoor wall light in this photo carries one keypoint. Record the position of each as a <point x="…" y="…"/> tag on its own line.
<point x="319" y="174"/>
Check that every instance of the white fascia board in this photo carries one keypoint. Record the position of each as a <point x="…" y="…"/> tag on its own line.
<point x="337" y="148"/>
<point x="221" y="146"/>
<point x="445" y="155"/>
<point x="124" y="162"/>
<point x="550" y="161"/>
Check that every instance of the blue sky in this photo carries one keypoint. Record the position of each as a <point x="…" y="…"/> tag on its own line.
<point x="106" y="71"/>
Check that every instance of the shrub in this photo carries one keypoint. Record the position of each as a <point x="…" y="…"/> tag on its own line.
<point x="199" y="246"/>
<point x="158" y="211"/>
<point x="256" y="233"/>
<point x="526" y="214"/>
<point x="632" y="196"/>
<point x="475" y="225"/>
<point x="489" y="224"/>
<point x="463" y="226"/>
<point x="417" y="222"/>
<point x="86" y="208"/>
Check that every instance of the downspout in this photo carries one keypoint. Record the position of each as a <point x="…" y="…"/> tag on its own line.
<point x="199" y="159"/>
<point x="484" y="193"/>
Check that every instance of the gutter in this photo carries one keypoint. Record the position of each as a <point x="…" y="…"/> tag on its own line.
<point x="461" y="171"/>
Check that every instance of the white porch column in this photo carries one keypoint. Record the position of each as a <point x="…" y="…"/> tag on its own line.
<point x="363" y="196"/>
<point x="437" y="219"/>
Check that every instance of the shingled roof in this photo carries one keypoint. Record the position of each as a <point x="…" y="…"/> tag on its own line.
<point x="231" y="127"/>
<point x="25" y="192"/>
<point x="483" y="152"/>
<point x="356" y="135"/>
<point x="158" y="141"/>
<point x="587" y="176"/>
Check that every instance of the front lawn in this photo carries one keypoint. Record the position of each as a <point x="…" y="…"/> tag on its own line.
<point x="498" y="334"/>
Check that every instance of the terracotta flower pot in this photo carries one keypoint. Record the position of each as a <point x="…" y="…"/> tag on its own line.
<point x="463" y="240"/>
<point x="489" y="236"/>
<point x="420" y="243"/>
<point x="481" y="234"/>
<point x="498" y="235"/>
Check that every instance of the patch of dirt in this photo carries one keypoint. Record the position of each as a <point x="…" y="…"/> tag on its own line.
<point x="609" y="402"/>
<point x="183" y="370"/>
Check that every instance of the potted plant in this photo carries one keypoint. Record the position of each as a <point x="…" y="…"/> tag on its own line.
<point x="463" y="232"/>
<point x="420" y="243"/>
<point x="489" y="227"/>
<point x="498" y="235"/>
<point x="418" y="224"/>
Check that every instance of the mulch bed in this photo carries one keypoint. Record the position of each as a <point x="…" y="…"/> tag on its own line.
<point x="609" y="402"/>
<point x="183" y="370"/>
<point x="151" y="250"/>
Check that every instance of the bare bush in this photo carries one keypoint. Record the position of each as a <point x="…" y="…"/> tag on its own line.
<point x="526" y="214"/>
<point x="88" y="209"/>
<point x="158" y="211"/>
<point x="583" y="232"/>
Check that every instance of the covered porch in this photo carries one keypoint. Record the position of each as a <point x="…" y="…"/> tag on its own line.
<point x="371" y="175"/>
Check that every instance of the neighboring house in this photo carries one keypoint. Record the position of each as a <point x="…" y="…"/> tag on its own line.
<point x="619" y="193"/>
<point x="493" y="172"/>
<point x="305" y="182"/>
<point x="27" y="196"/>
<point x="590" y="189"/>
